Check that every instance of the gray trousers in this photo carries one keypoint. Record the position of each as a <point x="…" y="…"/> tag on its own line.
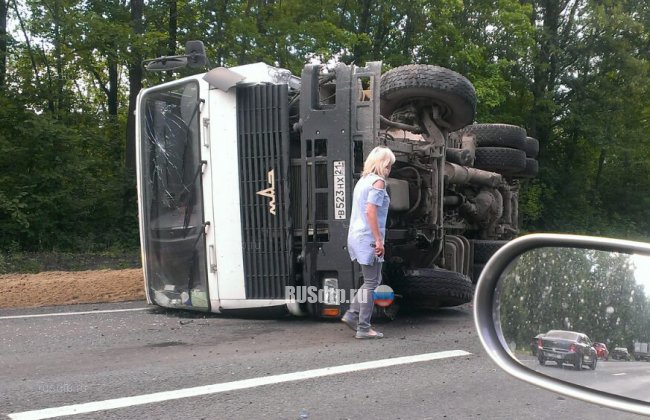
<point x="364" y="301"/>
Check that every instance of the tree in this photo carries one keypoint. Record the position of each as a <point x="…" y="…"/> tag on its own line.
<point x="574" y="73"/>
<point x="4" y="38"/>
<point x="135" y="80"/>
<point x="590" y="86"/>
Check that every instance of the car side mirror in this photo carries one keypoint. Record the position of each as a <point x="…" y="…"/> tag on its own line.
<point x="541" y="295"/>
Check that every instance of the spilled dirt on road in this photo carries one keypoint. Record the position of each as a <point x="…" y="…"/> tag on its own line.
<point x="53" y="288"/>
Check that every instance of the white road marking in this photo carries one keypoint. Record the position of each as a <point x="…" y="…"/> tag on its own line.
<point x="619" y="374"/>
<point x="71" y="313"/>
<point x="90" y="407"/>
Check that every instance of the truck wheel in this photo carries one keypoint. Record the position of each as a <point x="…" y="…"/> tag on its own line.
<point x="502" y="160"/>
<point x="531" y="147"/>
<point x="497" y="135"/>
<point x="484" y="249"/>
<point x="428" y="85"/>
<point x="434" y="288"/>
<point x="530" y="171"/>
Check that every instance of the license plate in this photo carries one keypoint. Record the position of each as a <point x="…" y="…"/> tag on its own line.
<point x="339" y="190"/>
<point x="553" y="356"/>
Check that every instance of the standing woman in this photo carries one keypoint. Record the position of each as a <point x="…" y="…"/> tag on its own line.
<point x="366" y="237"/>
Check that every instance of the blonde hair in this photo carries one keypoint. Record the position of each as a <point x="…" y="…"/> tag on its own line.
<point x="378" y="161"/>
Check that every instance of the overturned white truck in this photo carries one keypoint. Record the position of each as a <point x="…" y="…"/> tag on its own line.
<point x="245" y="178"/>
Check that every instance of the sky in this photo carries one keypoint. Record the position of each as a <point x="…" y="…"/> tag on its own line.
<point x="642" y="272"/>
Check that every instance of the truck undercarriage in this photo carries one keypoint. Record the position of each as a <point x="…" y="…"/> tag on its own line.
<point x="454" y="188"/>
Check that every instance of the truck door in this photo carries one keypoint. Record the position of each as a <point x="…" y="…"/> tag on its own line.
<point x="171" y="171"/>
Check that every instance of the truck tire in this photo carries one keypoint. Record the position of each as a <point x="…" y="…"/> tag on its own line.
<point x="484" y="249"/>
<point x="497" y="135"/>
<point x="531" y="147"/>
<point x="503" y="160"/>
<point x="427" y="84"/>
<point x="434" y="288"/>
<point x="530" y="171"/>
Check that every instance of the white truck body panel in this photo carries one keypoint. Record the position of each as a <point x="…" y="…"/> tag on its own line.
<point x="223" y="197"/>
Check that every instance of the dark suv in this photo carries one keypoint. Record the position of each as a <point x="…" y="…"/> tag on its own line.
<point x="567" y="347"/>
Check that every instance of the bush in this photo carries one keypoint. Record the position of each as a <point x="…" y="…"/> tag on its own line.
<point x="36" y="262"/>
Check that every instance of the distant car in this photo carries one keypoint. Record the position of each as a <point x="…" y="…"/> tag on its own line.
<point x="601" y="351"/>
<point x="621" y="353"/>
<point x="566" y="347"/>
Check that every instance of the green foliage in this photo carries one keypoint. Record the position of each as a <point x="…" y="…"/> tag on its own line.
<point x="594" y="146"/>
<point x="62" y="186"/>
<point x="574" y="74"/>
<point x="530" y="203"/>
<point x="36" y="262"/>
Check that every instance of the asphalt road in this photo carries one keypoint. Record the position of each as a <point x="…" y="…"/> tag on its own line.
<point x="174" y="364"/>
<point x="613" y="376"/>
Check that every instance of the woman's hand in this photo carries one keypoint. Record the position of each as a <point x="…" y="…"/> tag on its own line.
<point x="379" y="248"/>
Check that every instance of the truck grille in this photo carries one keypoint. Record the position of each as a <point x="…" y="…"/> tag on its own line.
<point x="263" y="134"/>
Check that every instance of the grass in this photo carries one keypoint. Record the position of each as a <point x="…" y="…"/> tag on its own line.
<point x="36" y="262"/>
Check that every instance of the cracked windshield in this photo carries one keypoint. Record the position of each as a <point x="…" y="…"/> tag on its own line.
<point x="173" y="199"/>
